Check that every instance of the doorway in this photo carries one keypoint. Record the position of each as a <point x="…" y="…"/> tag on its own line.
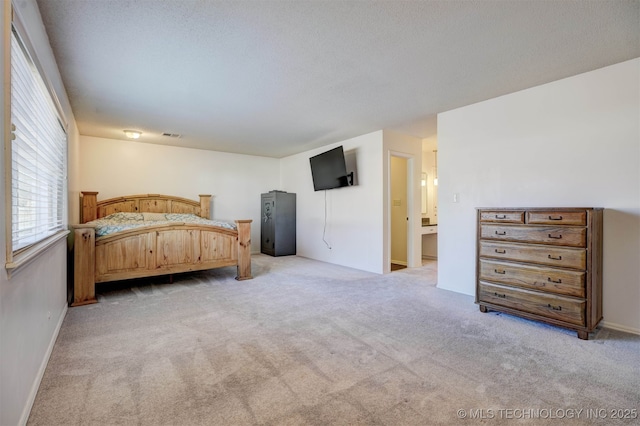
<point x="399" y="215"/>
<point x="429" y="198"/>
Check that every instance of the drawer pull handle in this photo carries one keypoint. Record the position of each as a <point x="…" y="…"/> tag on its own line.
<point x="555" y="258"/>
<point x="559" y="308"/>
<point x="499" y="271"/>
<point x="555" y="218"/>
<point x="501" y="216"/>
<point x="503" y="251"/>
<point x="559" y="237"/>
<point x="501" y="233"/>
<point x="503" y="296"/>
<point x="554" y="281"/>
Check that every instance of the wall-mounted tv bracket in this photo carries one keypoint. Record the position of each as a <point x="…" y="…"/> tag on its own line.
<point x="350" y="178"/>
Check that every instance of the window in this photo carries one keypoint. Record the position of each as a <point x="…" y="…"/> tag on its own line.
<point x="38" y="153"/>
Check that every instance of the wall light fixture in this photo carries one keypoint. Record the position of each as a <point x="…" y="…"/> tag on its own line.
<point x="435" y="179"/>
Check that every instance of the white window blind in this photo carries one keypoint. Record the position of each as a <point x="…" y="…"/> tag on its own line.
<point x="38" y="154"/>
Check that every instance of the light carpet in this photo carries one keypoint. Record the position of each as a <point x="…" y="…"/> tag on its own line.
<point x="311" y="343"/>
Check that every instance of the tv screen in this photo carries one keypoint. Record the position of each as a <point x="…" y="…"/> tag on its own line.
<point x="328" y="170"/>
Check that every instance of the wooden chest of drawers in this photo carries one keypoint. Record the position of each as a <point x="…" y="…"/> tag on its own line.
<point x="541" y="263"/>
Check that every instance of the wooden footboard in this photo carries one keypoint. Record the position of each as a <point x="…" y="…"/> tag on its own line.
<point x="155" y="250"/>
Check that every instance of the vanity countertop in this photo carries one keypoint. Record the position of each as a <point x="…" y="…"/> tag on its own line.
<point x="429" y="229"/>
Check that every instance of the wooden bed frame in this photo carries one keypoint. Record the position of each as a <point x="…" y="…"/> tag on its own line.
<point x="154" y="250"/>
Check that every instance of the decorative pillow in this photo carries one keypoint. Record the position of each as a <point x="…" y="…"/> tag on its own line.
<point x="123" y="216"/>
<point x="184" y="217"/>
<point x="154" y="217"/>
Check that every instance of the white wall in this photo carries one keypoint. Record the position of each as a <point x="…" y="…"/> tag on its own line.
<point x="573" y="142"/>
<point x="354" y="228"/>
<point x="118" y="167"/>
<point x="34" y="300"/>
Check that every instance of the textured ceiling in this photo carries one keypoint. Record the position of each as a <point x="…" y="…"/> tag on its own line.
<point x="274" y="78"/>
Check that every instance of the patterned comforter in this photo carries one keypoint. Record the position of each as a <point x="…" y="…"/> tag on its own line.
<point x="121" y="221"/>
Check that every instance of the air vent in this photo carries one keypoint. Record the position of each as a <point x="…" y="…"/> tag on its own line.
<point x="171" y="135"/>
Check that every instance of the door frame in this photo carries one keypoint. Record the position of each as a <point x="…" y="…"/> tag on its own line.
<point x="411" y="165"/>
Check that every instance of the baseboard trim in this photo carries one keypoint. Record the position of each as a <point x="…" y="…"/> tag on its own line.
<point x="43" y="366"/>
<point x="399" y="262"/>
<point x="619" y="327"/>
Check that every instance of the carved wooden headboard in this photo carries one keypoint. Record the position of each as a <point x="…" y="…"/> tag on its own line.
<point x="91" y="209"/>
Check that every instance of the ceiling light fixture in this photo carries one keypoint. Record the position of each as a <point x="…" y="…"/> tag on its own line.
<point x="132" y="134"/>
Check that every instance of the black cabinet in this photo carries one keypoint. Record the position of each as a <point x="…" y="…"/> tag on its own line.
<point x="278" y="223"/>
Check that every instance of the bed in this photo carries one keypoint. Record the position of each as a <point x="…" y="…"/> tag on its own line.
<point x="150" y="235"/>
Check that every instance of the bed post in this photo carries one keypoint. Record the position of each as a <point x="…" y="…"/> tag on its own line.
<point x="89" y="203"/>
<point x="205" y="206"/>
<point x="244" y="249"/>
<point x="84" y="266"/>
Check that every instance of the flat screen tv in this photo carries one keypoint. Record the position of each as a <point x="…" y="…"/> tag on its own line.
<point x="328" y="170"/>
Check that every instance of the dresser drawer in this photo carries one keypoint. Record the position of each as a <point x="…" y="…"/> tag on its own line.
<point x="565" y="257"/>
<point x="559" y="281"/>
<point x="550" y="306"/>
<point x="557" y="217"/>
<point x="513" y="216"/>
<point x="562" y="236"/>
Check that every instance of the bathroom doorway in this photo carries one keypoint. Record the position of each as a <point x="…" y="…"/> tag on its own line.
<point x="399" y="215"/>
<point x="429" y="208"/>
